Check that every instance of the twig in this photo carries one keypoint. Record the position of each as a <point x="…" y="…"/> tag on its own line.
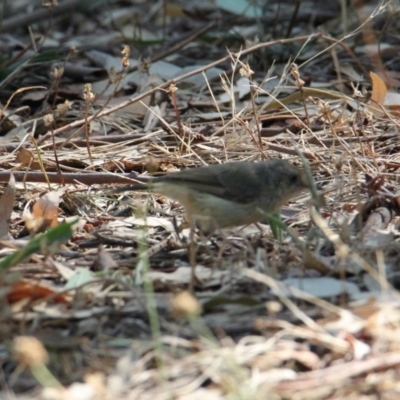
<point x="181" y="78"/>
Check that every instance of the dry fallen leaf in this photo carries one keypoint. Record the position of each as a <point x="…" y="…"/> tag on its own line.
<point x="378" y="94"/>
<point x="45" y="212"/>
<point x="26" y="290"/>
<point x="27" y="159"/>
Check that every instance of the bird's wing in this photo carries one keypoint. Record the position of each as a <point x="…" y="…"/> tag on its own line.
<point x="231" y="181"/>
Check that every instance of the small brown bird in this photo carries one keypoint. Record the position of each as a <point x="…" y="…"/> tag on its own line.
<point x="231" y="194"/>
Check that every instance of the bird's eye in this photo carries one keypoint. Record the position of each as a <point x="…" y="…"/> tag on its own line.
<point x="293" y="179"/>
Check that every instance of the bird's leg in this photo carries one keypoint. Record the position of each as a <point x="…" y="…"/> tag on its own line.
<point x="260" y="228"/>
<point x="221" y="248"/>
<point x="177" y="229"/>
<point x="192" y="258"/>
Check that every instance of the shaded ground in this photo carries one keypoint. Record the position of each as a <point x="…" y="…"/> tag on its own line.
<point x="310" y="312"/>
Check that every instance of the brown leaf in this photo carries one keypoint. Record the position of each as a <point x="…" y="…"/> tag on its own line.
<point x="45" y="211"/>
<point x="26" y="290"/>
<point x="26" y="158"/>
<point x="379" y="92"/>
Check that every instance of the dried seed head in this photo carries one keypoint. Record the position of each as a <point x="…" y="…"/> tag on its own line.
<point x="48" y="119"/>
<point x="29" y="351"/>
<point x="49" y="3"/>
<point x="126" y="52"/>
<point x="58" y="72"/>
<point x="185" y="305"/>
<point x="87" y="93"/>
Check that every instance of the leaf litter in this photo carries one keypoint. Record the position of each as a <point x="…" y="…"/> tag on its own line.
<point x="310" y="315"/>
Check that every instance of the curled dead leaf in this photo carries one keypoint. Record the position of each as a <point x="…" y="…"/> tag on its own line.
<point x="45" y="212"/>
